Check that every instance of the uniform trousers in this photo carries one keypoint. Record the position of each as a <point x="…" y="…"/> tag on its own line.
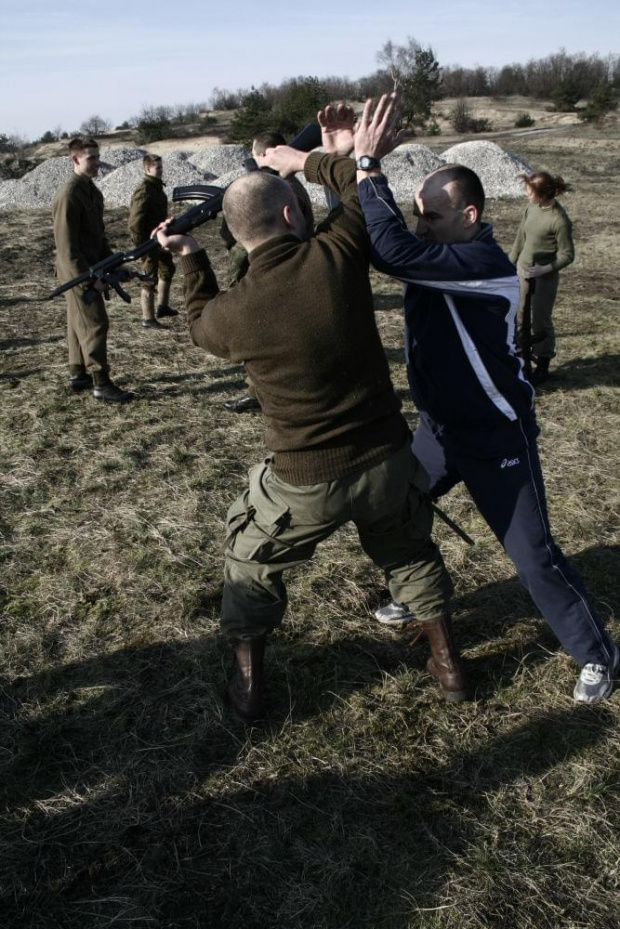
<point x="274" y="526"/>
<point x="87" y="335"/>
<point x="503" y="475"/>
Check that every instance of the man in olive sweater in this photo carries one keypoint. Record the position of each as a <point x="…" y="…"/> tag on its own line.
<point x="302" y="320"/>
<point x="81" y="242"/>
<point x="239" y="262"/>
<point x="149" y="208"/>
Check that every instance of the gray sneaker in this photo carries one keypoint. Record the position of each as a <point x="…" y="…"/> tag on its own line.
<point x="596" y="681"/>
<point x="394" y="614"/>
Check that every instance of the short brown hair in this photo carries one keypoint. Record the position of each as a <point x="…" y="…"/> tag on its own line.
<point x="544" y="184"/>
<point x="468" y="186"/>
<point x="267" y="139"/>
<point x="150" y="160"/>
<point x="80" y="143"/>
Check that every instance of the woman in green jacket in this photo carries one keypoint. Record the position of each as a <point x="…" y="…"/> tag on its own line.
<point x="543" y="246"/>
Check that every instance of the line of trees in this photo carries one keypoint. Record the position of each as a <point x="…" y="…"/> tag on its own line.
<point x="565" y="79"/>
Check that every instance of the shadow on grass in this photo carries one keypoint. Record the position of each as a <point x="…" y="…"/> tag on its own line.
<point x="385" y="302"/>
<point x="583" y="373"/>
<point x="21" y="342"/>
<point x="132" y="798"/>
<point x="170" y="817"/>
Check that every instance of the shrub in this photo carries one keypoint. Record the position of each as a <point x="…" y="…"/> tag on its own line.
<point x="524" y="120"/>
<point x="433" y="127"/>
<point x="154" y="129"/>
<point x="603" y="100"/>
<point x="462" y="121"/>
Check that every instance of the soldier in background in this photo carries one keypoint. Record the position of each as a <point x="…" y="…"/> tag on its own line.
<point x="239" y="257"/>
<point x="81" y="242"/>
<point x="149" y="207"/>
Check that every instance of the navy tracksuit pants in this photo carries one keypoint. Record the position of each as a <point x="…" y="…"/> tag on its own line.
<point x="502" y="472"/>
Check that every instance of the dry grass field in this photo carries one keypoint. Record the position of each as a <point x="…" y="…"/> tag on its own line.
<point x="133" y="800"/>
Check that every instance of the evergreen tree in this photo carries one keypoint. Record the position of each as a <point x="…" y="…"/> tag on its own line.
<point x="254" y="116"/>
<point x="416" y="73"/>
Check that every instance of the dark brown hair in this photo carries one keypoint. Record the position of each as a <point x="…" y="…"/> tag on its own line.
<point x="544" y="184"/>
<point x="469" y="189"/>
<point x="267" y="139"/>
<point x="150" y="160"/>
<point x="80" y="143"/>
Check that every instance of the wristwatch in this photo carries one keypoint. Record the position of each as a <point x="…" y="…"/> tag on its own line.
<point x="367" y="163"/>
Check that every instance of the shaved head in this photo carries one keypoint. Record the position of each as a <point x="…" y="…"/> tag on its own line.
<point x="463" y="186"/>
<point x="254" y="207"/>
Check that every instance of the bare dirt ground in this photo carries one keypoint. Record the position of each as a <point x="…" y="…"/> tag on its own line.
<point x="133" y="799"/>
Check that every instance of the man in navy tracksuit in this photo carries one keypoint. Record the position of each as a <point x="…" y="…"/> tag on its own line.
<point x="477" y="421"/>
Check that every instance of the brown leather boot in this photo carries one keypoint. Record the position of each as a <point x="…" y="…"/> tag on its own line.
<point x="445" y="661"/>
<point x="246" y="688"/>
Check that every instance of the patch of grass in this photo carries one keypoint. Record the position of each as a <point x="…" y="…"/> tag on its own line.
<point x="133" y="799"/>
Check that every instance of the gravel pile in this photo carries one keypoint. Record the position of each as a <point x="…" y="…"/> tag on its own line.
<point x="498" y="170"/>
<point x="219" y="159"/>
<point x="7" y="194"/>
<point x="118" y="186"/>
<point x="121" y="172"/>
<point x="406" y="166"/>
<point x="120" y="156"/>
<point x="36" y="189"/>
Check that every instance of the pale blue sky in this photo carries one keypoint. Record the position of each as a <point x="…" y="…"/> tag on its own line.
<point x="63" y="60"/>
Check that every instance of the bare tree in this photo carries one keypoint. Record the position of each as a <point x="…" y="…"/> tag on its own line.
<point x="95" y="125"/>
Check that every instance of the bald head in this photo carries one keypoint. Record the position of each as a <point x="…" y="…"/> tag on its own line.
<point x="259" y="206"/>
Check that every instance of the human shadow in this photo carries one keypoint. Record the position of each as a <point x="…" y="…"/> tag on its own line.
<point x="16" y="376"/>
<point x="583" y="373"/>
<point x="121" y="777"/>
<point x="21" y="342"/>
<point x="319" y="845"/>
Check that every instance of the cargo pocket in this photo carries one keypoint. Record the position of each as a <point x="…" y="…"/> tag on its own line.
<point x="258" y="521"/>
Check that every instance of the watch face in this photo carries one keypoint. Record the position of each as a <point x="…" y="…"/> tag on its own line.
<point x="367" y="161"/>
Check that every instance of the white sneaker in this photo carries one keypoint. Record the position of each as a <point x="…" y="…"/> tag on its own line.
<point x="394" y="614"/>
<point x="596" y="681"/>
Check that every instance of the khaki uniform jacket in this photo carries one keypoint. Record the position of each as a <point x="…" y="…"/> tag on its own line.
<point x="79" y="231"/>
<point x="149" y="207"/>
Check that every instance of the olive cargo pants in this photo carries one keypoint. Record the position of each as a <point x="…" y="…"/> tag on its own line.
<point x="274" y="526"/>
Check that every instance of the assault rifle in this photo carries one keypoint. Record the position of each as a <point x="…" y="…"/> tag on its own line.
<point x="111" y="271"/>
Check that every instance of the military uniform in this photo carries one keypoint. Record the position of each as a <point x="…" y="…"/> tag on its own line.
<point x="81" y="242"/>
<point x="149" y="207"/>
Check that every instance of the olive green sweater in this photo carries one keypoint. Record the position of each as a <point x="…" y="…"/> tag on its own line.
<point x="79" y="232"/>
<point x="302" y="321"/>
<point x="544" y="237"/>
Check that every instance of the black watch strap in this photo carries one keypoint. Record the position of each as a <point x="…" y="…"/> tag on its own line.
<point x="367" y="163"/>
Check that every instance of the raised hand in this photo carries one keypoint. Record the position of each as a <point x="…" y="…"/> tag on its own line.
<point x="377" y="133"/>
<point x="337" y="124"/>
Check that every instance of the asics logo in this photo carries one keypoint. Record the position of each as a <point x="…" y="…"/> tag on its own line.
<point x="510" y="462"/>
